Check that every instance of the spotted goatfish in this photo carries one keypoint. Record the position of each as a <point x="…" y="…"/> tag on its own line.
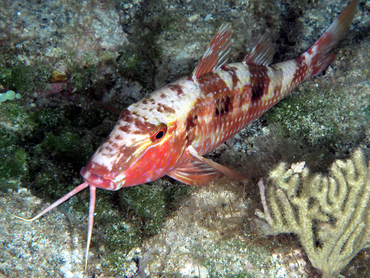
<point x="169" y="130"/>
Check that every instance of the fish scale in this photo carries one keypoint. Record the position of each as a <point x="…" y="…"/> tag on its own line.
<point x="169" y="131"/>
<point x="254" y="89"/>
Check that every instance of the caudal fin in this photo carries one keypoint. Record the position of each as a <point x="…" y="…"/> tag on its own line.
<point x="318" y="54"/>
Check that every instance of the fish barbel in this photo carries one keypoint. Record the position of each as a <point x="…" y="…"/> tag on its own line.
<point x="169" y="130"/>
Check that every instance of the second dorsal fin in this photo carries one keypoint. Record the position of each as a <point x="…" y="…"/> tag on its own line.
<point x="216" y="54"/>
<point x="262" y="53"/>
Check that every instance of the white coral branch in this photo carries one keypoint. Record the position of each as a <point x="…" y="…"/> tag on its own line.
<point x="334" y="210"/>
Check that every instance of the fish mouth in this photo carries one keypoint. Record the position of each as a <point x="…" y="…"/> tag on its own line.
<point x="97" y="180"/>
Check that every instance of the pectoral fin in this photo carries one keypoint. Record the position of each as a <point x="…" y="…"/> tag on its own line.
<point x="224" y="170"/>
<point x="194" y="172"/>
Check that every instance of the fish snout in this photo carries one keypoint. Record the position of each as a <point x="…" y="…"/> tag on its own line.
<point x="99" y="181"/>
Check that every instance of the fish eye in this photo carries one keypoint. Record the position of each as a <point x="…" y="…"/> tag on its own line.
<point x="158" y="132"/>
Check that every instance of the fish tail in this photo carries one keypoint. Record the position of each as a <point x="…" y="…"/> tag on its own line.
<point x="318" y="54"/>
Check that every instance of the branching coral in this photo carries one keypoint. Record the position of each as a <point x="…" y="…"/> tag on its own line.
<point x="330" y="214"/>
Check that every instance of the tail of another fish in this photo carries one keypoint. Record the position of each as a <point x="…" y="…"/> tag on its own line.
<point x="318" y="55"/>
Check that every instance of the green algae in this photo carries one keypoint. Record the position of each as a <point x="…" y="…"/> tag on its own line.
<point x="142" y="211"/>
<point x="147" y="201"/>
<point x="314" y="117"/>
<point x="139" y="62"/>
<point x="133" y="64"/>
<point x="21" y="78"/>
<point x="52" y="138"/>
<point x="45" y="150"/>
<point x="82" y="76"/>
<point x="14" y="158"/>
<point x="61" y="147"/>
<point x="59" y="143"/>
<point x="13" y="167"/>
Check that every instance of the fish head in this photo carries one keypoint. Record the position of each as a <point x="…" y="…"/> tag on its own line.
<point x="142" y="147"/>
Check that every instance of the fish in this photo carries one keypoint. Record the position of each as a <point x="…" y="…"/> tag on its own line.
<point x="169" y="131"/>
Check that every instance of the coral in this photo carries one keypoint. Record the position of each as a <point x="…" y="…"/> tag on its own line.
<point x="330" y="214"/>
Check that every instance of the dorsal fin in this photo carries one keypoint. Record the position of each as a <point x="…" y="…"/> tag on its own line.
<point x="262" y="53"/>
<point x="216" y="54"/>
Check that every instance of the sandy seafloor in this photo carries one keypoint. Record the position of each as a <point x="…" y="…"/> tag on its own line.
<point x="209" y="232"/>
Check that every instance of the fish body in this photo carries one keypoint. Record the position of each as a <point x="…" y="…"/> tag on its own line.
<point x="194" y="115"/>
<point x="169" y="131"/>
